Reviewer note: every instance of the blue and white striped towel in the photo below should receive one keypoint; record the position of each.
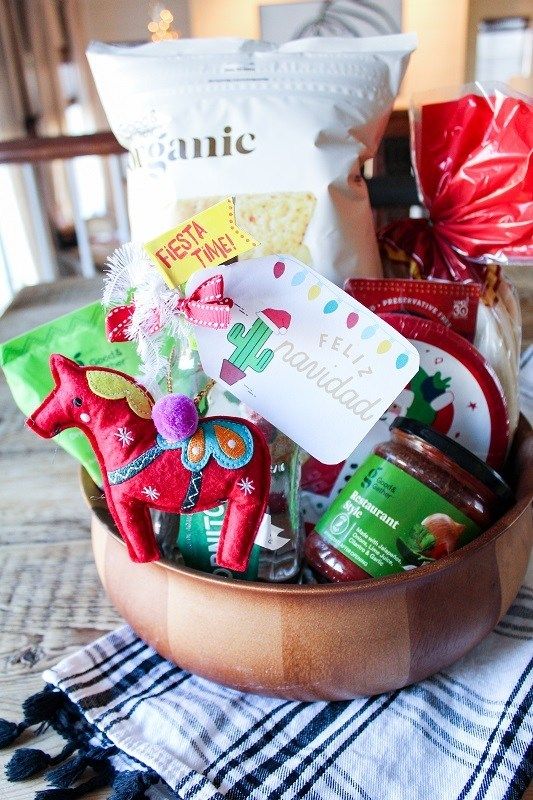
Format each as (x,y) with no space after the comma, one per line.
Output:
(465,734)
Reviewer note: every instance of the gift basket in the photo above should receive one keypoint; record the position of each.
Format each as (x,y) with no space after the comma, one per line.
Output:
(305,464)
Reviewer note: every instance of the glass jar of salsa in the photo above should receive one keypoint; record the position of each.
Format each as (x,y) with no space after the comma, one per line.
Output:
(416,498)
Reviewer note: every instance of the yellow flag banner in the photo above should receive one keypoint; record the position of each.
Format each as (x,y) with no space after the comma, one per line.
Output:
(208,239)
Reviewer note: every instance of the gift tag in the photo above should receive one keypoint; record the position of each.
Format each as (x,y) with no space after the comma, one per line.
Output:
(209,238)
(298,350)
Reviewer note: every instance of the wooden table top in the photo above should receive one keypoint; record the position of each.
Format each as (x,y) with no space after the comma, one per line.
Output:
(51,601)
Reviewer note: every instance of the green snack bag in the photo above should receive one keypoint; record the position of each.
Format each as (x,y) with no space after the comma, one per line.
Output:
(80,336)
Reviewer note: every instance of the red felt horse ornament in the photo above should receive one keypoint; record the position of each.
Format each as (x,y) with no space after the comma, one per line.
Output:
(224,460)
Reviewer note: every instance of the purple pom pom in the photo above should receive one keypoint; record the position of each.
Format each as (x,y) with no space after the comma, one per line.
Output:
(175,416)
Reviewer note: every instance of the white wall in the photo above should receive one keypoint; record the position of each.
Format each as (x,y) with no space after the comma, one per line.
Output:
(440,58)
(227,17)
(126,20)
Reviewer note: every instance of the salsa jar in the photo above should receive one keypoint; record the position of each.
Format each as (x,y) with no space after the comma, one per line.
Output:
(416,498)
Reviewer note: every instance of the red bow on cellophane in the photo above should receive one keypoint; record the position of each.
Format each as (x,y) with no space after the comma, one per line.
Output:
(474,170)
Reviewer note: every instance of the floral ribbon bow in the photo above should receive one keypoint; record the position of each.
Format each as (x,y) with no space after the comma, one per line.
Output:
(207,306)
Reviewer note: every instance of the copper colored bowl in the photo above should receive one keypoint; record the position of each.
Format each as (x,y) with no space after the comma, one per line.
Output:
(329,642)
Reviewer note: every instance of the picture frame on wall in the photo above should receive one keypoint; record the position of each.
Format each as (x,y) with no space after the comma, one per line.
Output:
(283,22)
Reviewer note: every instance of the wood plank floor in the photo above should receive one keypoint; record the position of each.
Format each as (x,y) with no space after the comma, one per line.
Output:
(51,601)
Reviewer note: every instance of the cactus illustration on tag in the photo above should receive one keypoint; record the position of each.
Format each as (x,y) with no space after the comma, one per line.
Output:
(249,344)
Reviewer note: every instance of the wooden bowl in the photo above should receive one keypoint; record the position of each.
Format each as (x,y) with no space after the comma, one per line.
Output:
(327,642)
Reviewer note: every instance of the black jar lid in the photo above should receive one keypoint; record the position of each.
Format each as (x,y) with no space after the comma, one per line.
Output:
(459,454)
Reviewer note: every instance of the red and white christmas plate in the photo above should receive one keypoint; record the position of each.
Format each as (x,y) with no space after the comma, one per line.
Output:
(455,390)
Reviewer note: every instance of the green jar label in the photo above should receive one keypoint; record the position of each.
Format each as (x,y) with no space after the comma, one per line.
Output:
(385,521)
(197,541)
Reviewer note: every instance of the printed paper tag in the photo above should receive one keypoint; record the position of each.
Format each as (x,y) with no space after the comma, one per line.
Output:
(298,350)
(206,240)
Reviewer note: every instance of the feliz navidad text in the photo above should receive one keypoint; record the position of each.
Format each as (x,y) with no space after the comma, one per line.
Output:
(340,389)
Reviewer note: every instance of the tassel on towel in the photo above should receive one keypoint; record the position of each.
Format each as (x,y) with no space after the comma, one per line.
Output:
(103,778)
(27,762)
(52,708)
(69,772)
(37,709)
(133,785)
(43,706)
(10,732)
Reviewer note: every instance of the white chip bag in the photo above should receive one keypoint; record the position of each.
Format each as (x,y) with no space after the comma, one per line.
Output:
(283,130)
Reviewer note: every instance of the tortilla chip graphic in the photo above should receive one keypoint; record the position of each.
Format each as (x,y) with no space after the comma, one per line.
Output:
(279,220)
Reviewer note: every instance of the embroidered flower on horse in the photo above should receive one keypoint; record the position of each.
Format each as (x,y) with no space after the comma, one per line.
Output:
(150,492)
(246,485)
(124,436)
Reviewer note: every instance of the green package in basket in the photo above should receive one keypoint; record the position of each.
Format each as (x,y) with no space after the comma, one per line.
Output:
(80,336)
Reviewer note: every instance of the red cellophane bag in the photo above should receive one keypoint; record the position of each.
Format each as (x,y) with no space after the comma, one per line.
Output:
(473,163)
(474,168)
